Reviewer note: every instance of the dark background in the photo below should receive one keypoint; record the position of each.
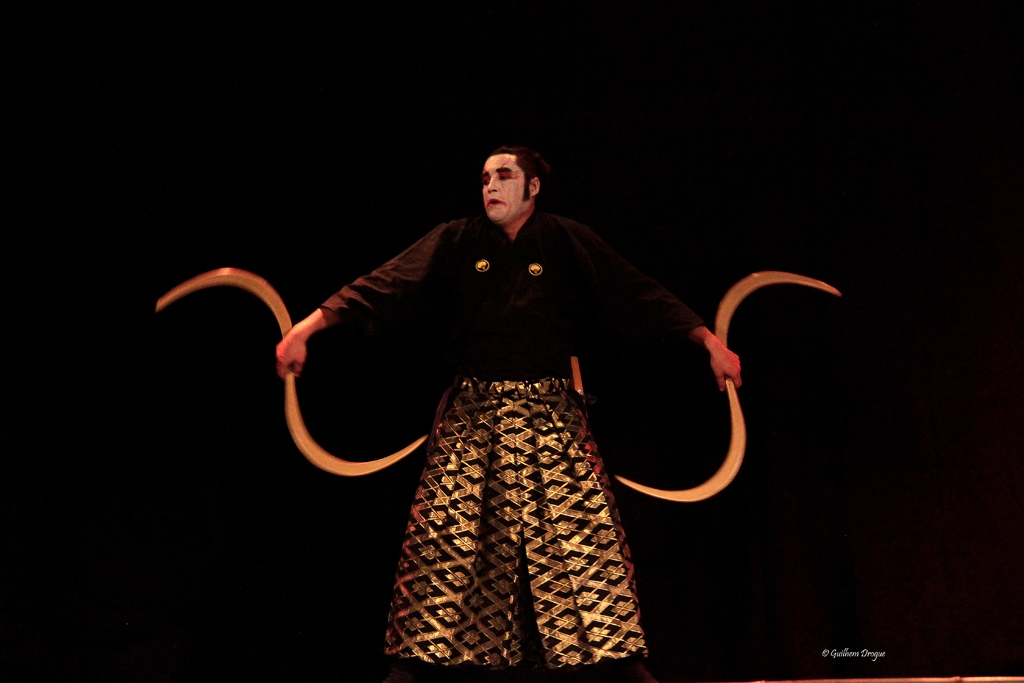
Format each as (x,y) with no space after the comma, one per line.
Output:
(157,522)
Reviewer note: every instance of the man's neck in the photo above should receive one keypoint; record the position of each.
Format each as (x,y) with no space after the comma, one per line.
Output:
(512,229)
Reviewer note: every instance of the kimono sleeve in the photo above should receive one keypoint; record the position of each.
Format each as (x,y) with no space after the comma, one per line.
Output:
(637,307)
(401,291)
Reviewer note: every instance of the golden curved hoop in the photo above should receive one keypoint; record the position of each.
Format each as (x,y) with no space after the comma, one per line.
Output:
(738,441)
(250,282)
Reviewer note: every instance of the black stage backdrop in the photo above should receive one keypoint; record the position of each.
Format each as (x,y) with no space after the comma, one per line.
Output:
(158,524)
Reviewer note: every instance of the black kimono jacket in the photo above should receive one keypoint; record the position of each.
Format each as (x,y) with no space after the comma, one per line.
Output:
(512,310)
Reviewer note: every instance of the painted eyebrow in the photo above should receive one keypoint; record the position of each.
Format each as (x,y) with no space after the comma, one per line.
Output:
(505,169)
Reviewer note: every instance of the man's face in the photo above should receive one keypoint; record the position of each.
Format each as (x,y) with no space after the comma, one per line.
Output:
(506,195)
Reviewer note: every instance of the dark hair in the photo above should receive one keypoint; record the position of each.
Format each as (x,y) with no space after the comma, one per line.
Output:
(529,160)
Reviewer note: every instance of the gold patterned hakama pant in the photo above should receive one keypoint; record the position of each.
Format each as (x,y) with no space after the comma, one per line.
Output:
(514,493)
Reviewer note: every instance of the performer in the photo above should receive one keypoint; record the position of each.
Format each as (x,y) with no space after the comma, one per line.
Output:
(514,555)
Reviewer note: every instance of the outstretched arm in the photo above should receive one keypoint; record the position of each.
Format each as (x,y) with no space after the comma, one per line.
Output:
(291,351)
(724,363)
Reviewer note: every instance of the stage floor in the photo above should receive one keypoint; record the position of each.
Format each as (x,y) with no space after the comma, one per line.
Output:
(952,679)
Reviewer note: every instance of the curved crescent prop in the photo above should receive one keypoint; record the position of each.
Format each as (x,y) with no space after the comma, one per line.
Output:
(738,442)
(253,283)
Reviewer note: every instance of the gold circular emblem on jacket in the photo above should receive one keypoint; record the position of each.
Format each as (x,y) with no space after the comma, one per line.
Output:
(482,265)
(535,269)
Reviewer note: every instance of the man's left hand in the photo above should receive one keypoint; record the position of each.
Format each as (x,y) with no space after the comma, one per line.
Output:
(724,363)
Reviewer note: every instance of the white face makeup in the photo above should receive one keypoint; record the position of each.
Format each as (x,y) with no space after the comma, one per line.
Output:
(503,185)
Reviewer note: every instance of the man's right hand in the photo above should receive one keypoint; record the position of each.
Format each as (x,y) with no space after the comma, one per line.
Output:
(291,353)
